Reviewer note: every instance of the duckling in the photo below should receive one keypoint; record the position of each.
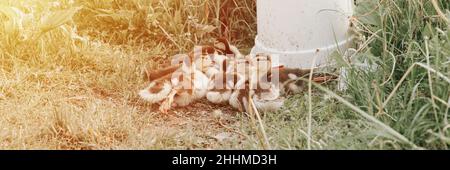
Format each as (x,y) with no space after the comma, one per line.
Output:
(211,59)
(268,106)
(219,64)
(191,85)
(265,100)
(157,90)
(261,64)
(239,97)
(225,48)
(187,85)
(240,66)
(247,70)
(160,88)
(203,62)
(288,78)
(209,63)
(221,87)
(268,99)
(266,95)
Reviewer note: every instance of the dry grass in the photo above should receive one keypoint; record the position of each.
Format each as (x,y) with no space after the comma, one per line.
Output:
(70,71)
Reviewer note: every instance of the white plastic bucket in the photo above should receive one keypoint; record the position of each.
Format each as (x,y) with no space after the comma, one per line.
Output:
(297,31)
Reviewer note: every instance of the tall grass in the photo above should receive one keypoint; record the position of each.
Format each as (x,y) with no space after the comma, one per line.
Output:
(409,43)
(178,24)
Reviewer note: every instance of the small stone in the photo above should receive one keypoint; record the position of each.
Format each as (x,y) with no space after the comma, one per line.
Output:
(204,113)
(217,113)
(222,136)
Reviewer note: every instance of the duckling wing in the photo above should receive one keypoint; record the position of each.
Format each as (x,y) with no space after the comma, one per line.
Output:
(156,92)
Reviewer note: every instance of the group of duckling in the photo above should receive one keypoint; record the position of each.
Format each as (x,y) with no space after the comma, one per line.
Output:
(223,75)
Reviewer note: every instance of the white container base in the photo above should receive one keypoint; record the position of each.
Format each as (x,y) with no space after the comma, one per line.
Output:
(304,58)
(302,31)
